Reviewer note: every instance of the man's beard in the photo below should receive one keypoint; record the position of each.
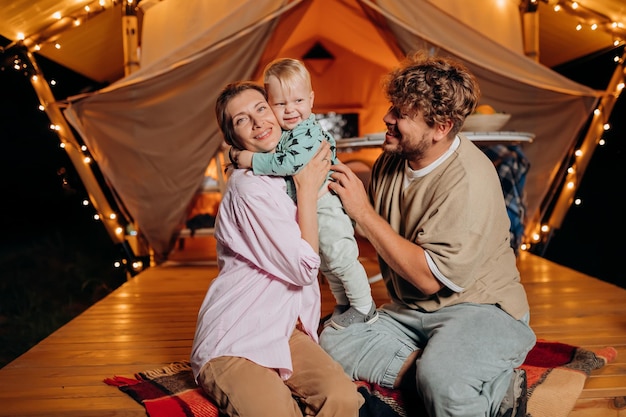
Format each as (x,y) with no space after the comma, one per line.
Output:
(414,152)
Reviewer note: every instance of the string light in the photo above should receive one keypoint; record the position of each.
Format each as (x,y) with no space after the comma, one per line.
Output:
(23,62)
(118,230)
(61,22)
(592,18)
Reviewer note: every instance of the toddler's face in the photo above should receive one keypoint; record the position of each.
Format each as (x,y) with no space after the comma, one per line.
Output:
(291,106)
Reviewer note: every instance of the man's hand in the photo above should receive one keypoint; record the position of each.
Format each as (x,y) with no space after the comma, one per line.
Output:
(347,185)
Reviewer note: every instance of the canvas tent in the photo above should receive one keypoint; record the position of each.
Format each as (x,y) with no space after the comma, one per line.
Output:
(153,132)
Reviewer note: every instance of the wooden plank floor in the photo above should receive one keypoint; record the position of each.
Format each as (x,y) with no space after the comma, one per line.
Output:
(149,321)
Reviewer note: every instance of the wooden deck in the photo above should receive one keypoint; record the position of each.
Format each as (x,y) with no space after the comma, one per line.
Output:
(149,321)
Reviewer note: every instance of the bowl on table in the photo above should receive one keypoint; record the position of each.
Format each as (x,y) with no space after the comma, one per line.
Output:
(485,122)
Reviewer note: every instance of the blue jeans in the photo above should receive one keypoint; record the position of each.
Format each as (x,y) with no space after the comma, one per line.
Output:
(468,354)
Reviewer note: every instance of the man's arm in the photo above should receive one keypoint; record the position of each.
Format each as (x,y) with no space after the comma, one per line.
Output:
(403,256)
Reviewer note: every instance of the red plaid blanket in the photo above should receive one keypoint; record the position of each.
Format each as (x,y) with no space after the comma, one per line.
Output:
(555,375)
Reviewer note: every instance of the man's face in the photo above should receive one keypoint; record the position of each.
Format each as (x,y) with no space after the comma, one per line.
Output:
(408,136)
(291,106)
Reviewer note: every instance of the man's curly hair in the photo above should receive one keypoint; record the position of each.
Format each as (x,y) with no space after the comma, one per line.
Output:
(438,87)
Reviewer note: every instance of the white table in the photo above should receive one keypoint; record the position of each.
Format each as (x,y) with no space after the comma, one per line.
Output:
(378,139)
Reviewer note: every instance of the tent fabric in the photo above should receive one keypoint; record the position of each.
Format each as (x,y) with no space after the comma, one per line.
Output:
(153,132)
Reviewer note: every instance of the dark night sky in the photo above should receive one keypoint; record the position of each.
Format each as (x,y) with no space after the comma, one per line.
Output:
(42,194)
(590,239)
(32,160)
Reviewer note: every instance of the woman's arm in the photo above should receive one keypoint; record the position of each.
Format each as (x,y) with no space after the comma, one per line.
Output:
(308,181)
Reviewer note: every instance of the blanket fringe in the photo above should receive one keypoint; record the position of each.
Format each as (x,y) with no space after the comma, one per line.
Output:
(172,369)
(608,354)
(121,381)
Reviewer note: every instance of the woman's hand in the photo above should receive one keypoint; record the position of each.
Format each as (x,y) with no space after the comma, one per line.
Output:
(313,175)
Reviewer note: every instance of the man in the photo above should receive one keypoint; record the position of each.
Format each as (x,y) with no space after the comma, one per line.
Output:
(457,323)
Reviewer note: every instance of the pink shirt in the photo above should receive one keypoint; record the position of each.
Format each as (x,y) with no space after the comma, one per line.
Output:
(267,279)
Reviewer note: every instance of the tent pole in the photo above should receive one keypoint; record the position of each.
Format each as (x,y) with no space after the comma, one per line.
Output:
(530,28)
(72,147)
(130,34)
(531,35)
(47,100)
(587,146)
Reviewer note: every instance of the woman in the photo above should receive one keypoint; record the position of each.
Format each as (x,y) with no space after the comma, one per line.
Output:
(255,351)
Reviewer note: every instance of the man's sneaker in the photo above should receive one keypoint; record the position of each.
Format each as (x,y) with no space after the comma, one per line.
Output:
(515,400)
(351,316)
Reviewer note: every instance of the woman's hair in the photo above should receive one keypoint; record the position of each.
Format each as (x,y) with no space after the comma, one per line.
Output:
(289,72)
(225,120)
(442,89)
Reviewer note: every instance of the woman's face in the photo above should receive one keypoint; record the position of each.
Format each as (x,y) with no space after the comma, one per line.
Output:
(254,123)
